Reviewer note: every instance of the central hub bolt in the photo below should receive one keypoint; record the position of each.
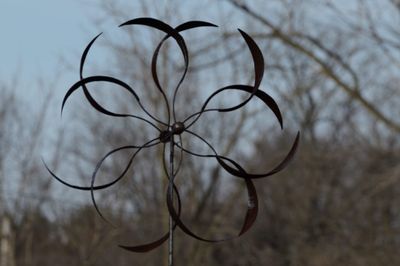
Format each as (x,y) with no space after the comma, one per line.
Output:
(176,129)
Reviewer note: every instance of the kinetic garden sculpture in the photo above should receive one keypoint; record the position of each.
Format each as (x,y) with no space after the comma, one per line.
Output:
(172,129)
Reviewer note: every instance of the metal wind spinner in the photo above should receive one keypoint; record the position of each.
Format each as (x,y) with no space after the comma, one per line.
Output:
(173,128)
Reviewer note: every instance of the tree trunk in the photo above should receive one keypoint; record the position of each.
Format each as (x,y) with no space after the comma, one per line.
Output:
(7,251)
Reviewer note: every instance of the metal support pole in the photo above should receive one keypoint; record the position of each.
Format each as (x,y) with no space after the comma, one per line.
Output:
(171,188)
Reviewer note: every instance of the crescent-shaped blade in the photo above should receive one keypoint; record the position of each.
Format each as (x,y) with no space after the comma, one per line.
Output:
(95,105)
(263,96)
(258,60)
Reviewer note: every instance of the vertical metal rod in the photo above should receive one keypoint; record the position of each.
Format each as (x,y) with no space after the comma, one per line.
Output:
(171,191)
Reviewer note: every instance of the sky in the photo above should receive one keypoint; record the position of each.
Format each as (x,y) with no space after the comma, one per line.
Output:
(34,34)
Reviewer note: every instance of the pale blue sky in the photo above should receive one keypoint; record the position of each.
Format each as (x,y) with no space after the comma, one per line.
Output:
(35,33)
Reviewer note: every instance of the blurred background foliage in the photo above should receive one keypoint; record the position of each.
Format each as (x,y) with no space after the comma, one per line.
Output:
(333,68)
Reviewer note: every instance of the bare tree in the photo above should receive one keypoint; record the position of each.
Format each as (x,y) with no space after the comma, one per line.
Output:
(333,69)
